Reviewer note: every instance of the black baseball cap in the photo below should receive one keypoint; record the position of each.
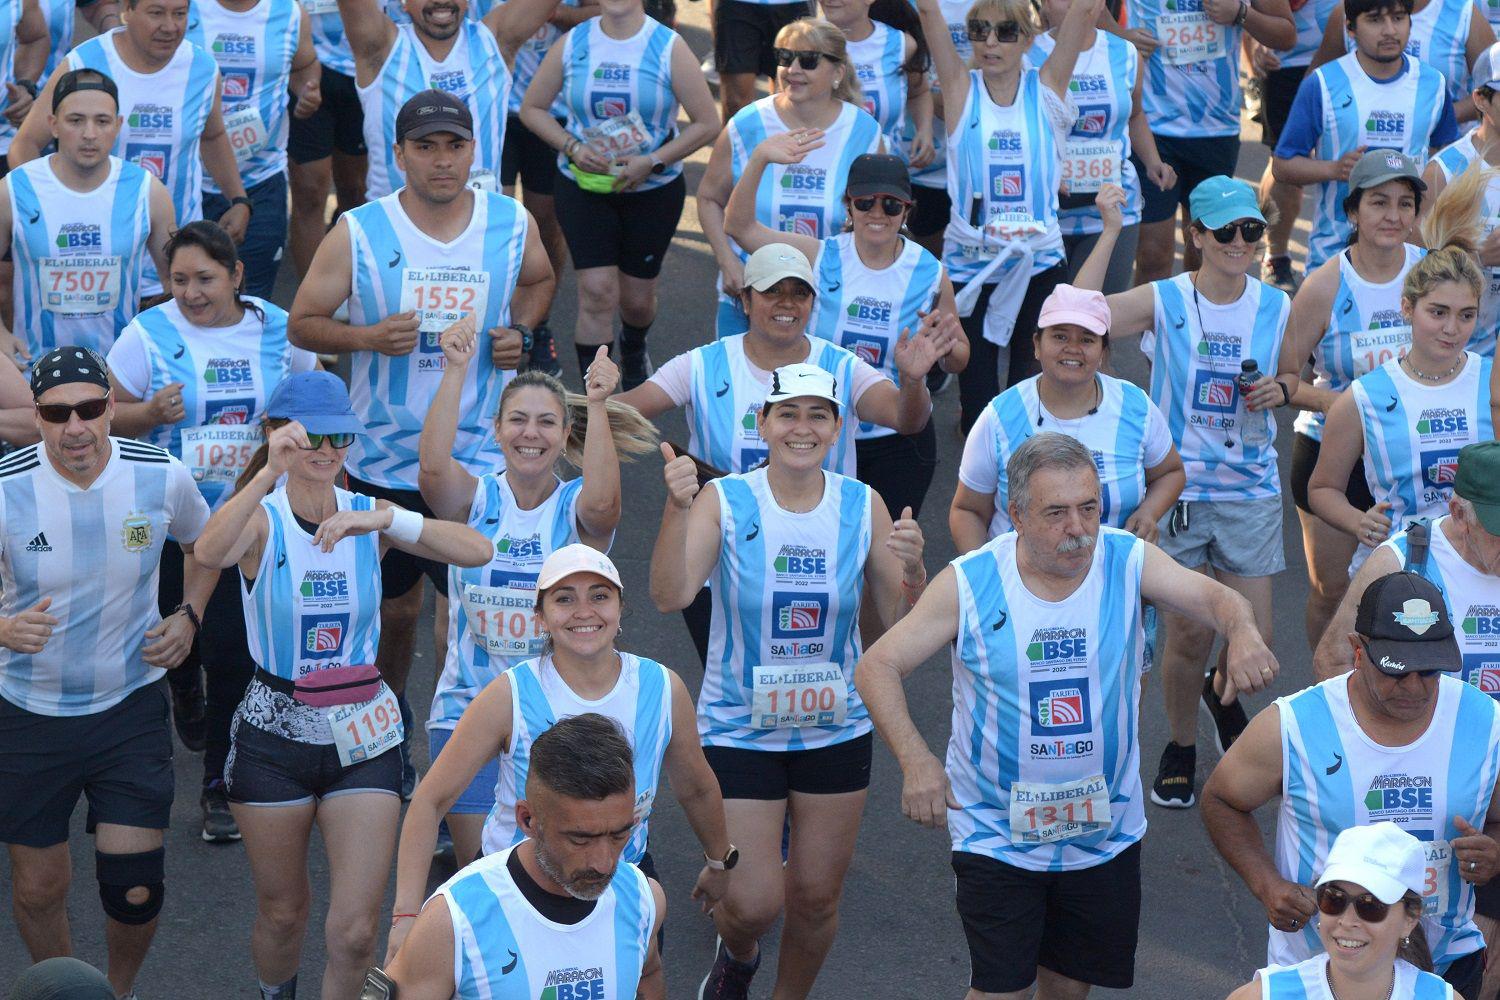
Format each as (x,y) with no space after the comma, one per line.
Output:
(75,80)
(877,174)
(432,111)
(1407,626)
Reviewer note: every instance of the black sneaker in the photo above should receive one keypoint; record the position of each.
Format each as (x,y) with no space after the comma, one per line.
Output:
(1176,777)
(635,368)
(1277,272)
(544,352)
(729,979)
(1229,720)
(219,826)
(188,711)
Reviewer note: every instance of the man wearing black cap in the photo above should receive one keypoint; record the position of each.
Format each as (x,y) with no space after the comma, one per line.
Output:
(411,264)
(86,220)
(83,519)
(1399,738)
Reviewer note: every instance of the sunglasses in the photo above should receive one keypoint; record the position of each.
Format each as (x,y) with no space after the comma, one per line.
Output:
(1251,231)
(1334,901)
(1424,674)
(806,58)
(889,205)
(59,413)
(1005,31)
(315,441)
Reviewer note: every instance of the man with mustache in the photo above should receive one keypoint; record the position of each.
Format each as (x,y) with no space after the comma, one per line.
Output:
(558,908)
(1041,792)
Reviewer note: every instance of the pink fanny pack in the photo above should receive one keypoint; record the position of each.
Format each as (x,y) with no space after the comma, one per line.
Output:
(338,686)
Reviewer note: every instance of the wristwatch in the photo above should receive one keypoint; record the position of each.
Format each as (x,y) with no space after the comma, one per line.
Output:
(243,200)
(27,85)
(526,336)
(1239,19)
(657,166)
(731,858)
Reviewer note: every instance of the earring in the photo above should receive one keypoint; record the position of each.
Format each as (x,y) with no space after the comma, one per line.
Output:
(620,630)
(1406,941)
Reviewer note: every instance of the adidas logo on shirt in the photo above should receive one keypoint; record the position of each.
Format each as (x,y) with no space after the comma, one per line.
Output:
(39,543)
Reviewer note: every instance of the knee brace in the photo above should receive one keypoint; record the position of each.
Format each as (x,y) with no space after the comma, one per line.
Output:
(120,874)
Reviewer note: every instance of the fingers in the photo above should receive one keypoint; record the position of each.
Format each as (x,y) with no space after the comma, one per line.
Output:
(1465,827)
(667,452)
(906,514)
(602,352)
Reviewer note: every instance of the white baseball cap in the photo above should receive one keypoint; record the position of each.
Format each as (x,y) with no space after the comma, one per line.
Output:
(576,558)
(1382,858)
(802,379)
(775,261)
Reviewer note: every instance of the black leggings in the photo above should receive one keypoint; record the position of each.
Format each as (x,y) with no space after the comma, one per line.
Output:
(899,467)
(980,381)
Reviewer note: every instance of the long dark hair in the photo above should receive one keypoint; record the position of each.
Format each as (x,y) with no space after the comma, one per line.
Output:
(1414,947)
(261,455)
(902,16)
(211,238)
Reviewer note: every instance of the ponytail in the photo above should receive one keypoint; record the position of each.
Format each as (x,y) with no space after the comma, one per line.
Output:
(1453,233)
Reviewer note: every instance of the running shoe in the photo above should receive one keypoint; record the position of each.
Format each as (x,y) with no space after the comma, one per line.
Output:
(635,368)
(544,352)
(219,826)
(1277,272)
(729,979)
(1229,720)
(710,70)
(1176,777)
(188,711)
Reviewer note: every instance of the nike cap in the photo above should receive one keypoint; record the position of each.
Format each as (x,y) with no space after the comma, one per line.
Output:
(1478,481)
(776,261)
(432,111)
(1406,626)
(1381,165)
(318,401)
(1383,859)
(576,558)
(1220,200)
(802,380)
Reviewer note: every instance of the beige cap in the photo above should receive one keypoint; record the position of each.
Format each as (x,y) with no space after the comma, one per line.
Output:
(576,558)
(775,261)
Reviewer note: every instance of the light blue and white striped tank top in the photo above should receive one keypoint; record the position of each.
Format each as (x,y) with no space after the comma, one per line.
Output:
(877,63)
(529,59)
(935,174)
(328,36)
(59,17)
(1192,84)
(1310,17)
(10,20)
(1309,981)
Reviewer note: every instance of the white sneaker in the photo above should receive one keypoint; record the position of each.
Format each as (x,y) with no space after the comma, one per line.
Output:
(710,70)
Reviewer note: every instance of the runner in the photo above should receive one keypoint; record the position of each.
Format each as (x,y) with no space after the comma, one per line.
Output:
(191,376)
(535,901)
(1347,318)
(796,742)
(815,89)
(931,207)
(409,264)
(872,284)
(80,222)
(441,49)
(1003,246)
(311,741)
(264,48)
(622,77)
(891,61)
(528,512)
(1393,740)
(1046,842)
(1376,97)
(169,96)
(1370,872)
(81,711)
(1205,330)
(1410,416)
(25,51)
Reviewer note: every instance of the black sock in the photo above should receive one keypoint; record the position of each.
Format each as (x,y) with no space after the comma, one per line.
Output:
(633,338)
(586,354)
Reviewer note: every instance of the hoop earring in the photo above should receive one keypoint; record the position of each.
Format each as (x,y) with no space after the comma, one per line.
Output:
(619,630)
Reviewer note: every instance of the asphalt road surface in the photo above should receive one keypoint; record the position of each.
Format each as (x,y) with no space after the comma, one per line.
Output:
(1202,933)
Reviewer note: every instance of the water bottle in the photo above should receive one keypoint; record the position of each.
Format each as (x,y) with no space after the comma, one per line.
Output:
(1256,427)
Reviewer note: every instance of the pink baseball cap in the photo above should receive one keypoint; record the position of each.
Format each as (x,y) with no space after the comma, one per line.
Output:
(1077,306)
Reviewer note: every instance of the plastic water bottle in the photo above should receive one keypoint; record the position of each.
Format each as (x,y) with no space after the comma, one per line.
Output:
(1256,427)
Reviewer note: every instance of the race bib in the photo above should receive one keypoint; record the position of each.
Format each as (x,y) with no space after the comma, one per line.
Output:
(1089,164)
(316,7)
(481,179)
(790,695)
(621,136)
(503,619)
(1189,37)
(1435,877)
(247,133)
(1042,813)
(367,730)
(1373,348)
(442,295)
(77,286)
(643,802)
(217,453)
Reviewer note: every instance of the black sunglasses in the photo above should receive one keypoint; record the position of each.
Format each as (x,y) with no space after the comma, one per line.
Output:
(1251,231)
(59,413)
(806,58)
(1005,31)
(1333,901)
(315,441)
(889,205)
(1424,674)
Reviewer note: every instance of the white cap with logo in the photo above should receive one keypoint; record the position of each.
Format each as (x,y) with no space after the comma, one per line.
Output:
(776,261)
(802,379)
(1382,858)
(576,558)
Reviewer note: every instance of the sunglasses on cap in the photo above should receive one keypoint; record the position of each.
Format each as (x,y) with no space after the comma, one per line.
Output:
(1005,31)
(806,58)
(59,413)
(315,441)
(890,205)
(1333,901)
(1252,231)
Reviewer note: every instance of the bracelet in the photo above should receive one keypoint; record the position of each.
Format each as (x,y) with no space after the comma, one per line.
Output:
(192,616)
(402,916)
(1239,19)
(569,147)
(406,526)
(914,588)
(1286,394)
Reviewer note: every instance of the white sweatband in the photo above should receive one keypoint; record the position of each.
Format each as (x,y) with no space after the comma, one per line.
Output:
(406,526)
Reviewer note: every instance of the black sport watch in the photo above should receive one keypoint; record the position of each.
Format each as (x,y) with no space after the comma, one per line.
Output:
(657,166)
(526,335)
(243,200)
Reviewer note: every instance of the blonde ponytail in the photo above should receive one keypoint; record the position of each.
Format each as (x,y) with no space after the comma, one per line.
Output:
(632,433)
(1452,232)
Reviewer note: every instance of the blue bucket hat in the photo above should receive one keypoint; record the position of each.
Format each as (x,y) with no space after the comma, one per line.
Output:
(1220,200)
(318,401)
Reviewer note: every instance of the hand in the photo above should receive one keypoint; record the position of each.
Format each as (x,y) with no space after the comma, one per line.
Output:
(166,405)
(681,475)
(309,99)
(396,335)
(18,103)
(915,356)
(169,641)
(1265,60)
(235,222)
(1374,525)
(922,151)
(1143,527)
(1249,667)
(1289,906)
(925,794)
(733,272)
(789,147)
(458,343)
(1162,175)
(348,523)
(1222,11)
(1144,41)
(590,158)
(1339,170)
(282,446)
(905,542)
(506,348)
(636,169)
(1265,394)
(1477,856)
(400,927)
(28,631)
(1489,248)
(14,348)
(1110,201)
(602,377)
(713,883)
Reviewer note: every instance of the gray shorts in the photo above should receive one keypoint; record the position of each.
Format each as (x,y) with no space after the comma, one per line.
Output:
(1242,537)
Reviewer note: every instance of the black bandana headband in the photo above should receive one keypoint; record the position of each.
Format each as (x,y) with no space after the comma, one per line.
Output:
(66,365)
